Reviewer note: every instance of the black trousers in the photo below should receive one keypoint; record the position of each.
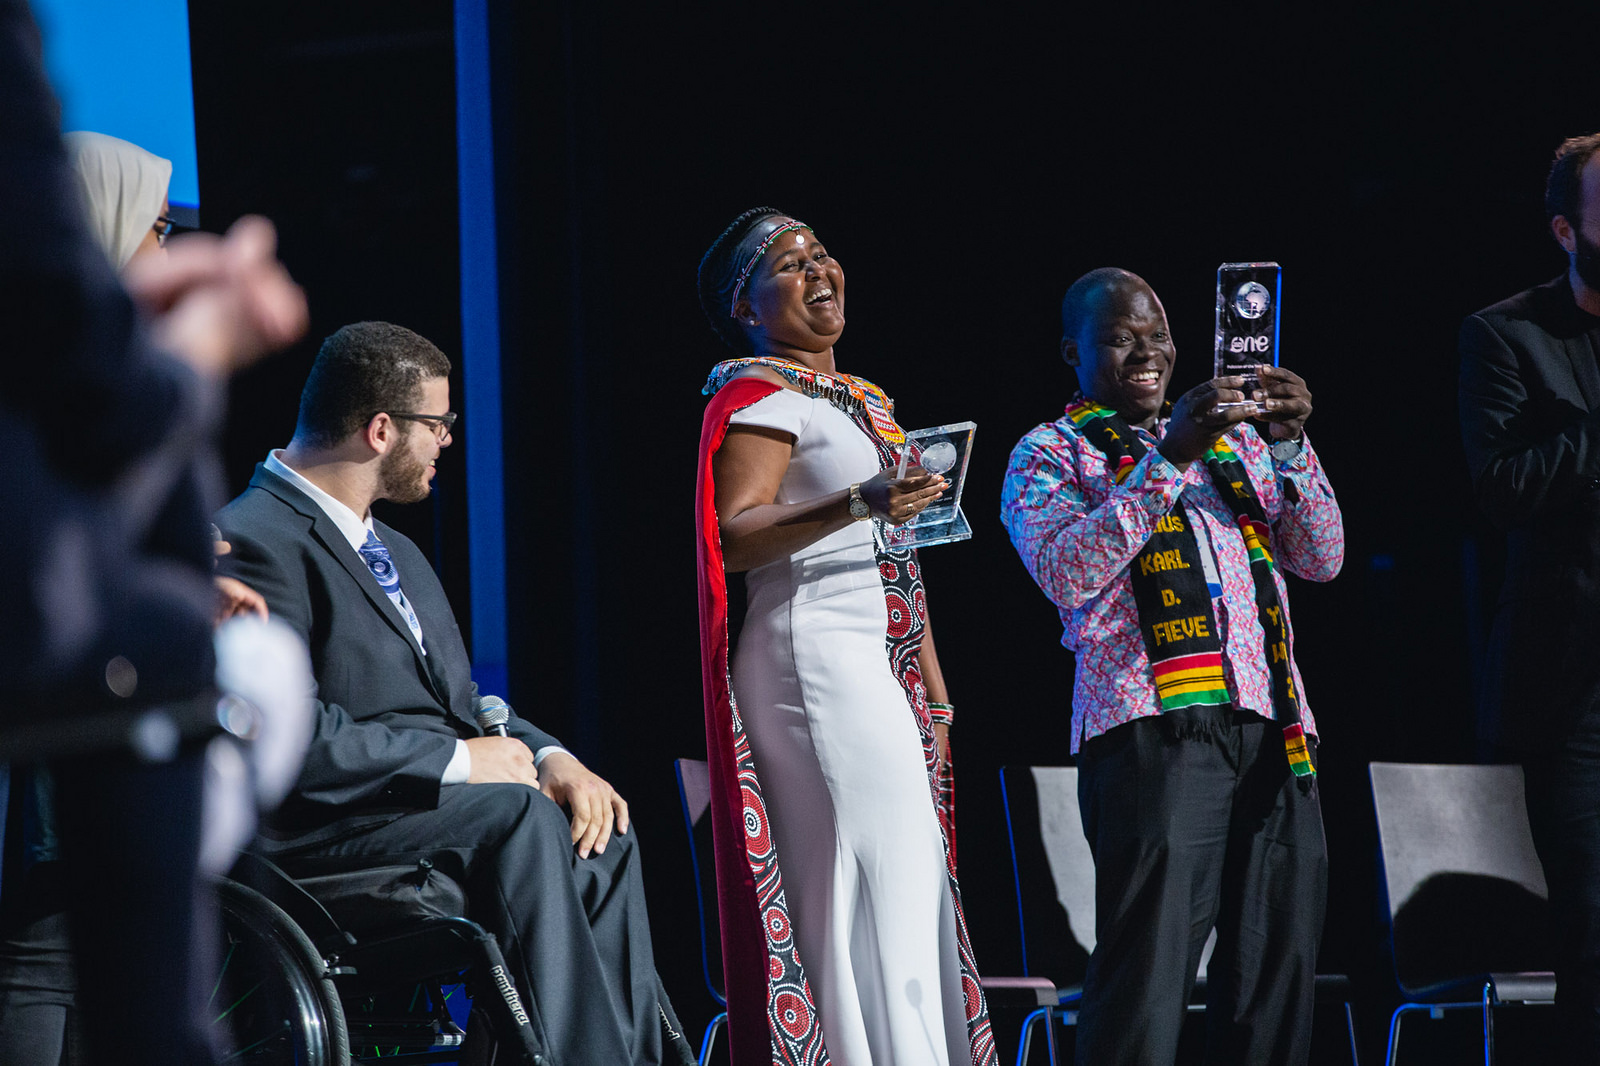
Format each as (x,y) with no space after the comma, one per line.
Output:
(39,1023)
(143,922)
(1564,813)
(574,931)
(1195,822)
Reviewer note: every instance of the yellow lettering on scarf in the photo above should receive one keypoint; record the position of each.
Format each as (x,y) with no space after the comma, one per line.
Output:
(1171,559)
(1180,629)
(1280,651)
(1238,488)
(1169,598)
(1169,524)
(1272,613)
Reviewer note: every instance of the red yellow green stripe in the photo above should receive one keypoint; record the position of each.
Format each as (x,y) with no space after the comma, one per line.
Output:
(1255,539)
(1085,411)
(1190,680)
(1294,742)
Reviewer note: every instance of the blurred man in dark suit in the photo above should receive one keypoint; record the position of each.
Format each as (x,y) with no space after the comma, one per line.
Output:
(1530,420)
(106,583)
(398,768)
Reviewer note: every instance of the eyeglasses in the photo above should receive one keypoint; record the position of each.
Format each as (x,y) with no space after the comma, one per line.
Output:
(440,424)
(163,227)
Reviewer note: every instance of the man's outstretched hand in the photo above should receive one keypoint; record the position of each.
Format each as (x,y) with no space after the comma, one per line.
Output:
(595,806)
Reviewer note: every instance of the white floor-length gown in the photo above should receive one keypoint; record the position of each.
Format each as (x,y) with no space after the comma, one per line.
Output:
(841,762)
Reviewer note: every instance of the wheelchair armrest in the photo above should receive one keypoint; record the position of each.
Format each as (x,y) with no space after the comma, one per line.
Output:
(268,878)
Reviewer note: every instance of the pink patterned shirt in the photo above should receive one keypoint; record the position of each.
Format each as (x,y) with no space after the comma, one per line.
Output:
(1077,532)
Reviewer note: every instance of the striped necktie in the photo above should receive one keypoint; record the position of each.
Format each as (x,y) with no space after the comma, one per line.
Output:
(376,555)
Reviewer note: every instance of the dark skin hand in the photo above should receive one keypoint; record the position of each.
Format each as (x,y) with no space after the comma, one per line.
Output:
(1287,401)
(1197,423)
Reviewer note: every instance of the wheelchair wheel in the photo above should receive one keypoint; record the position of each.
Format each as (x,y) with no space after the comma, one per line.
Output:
(273,999)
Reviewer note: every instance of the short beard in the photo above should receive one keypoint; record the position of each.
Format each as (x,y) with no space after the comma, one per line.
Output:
(402,477)
(1586,260)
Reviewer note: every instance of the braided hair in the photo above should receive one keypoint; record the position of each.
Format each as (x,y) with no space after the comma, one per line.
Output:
(719,272)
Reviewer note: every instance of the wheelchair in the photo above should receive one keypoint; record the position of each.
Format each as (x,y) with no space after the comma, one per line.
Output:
(347,968)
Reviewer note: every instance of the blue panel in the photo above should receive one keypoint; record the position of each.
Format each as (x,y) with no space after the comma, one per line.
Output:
(480,346)
(122,69)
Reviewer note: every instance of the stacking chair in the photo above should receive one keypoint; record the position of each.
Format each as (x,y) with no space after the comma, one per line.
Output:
(1054,877)
(694,792)
(1054,873)
(1466,897)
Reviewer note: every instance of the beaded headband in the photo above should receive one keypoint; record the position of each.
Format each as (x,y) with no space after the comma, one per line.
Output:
(744,274)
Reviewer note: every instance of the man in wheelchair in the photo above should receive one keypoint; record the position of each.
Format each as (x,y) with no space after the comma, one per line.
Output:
(398,770)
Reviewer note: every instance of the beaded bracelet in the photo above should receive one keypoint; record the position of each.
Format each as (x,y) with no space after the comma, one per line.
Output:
(942,713)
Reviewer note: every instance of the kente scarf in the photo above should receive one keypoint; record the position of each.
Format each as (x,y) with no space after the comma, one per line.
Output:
(1174,580)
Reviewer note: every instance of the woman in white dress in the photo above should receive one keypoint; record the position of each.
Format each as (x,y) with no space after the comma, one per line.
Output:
(826,751)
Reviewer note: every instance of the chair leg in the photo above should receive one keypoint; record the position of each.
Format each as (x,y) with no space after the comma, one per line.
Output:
(1488,1023)
(1350,1026)
(711,1037)
(1050,1035)
(1026,1041)
(1394,1034)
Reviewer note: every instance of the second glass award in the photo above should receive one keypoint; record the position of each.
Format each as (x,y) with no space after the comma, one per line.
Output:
(938,450)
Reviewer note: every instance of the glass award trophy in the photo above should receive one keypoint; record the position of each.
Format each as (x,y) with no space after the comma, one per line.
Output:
(939,450)
(1248,296)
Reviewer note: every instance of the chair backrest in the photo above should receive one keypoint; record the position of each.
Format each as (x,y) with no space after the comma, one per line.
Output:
(1465,890)
(1054,872)
(1053,868)
(694,793)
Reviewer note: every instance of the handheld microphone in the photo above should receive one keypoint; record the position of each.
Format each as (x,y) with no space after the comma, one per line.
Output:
(492,714)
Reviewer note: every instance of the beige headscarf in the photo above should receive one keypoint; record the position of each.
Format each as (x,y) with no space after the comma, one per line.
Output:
(124,187)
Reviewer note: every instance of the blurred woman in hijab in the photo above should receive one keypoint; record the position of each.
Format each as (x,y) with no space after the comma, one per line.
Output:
(125,191)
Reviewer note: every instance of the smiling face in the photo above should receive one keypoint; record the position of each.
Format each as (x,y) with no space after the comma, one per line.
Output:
(1123,351)
(405,473)
(793,303)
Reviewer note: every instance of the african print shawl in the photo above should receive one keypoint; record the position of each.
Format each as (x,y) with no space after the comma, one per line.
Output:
(765,980)
(1174,581)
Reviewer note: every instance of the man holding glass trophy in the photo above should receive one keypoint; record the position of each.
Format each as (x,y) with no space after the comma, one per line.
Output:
(1161,531)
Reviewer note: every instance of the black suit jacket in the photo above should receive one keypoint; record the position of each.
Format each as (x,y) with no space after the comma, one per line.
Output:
(387,715)
(1530,422)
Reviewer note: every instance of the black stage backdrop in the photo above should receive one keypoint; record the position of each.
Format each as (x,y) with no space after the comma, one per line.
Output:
(965,166)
